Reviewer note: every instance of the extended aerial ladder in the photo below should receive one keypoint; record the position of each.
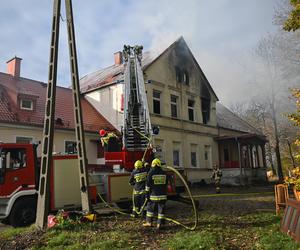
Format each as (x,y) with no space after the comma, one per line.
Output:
(48,132)
(137,126)
(137,130)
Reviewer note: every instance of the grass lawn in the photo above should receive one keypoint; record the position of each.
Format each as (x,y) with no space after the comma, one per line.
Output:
(224,223)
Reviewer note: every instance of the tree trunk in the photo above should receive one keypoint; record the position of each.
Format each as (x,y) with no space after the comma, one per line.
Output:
(277,148)
(269,153)
(291,153)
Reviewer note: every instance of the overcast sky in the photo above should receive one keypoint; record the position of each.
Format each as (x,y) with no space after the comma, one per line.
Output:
(220,33)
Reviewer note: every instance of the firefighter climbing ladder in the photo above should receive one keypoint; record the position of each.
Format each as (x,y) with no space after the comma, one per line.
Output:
(44,195)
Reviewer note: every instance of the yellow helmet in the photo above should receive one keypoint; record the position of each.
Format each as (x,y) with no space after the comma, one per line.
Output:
(138,164)
(156,162)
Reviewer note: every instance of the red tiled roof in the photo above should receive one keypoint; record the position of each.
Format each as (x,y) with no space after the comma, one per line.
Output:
(13,89)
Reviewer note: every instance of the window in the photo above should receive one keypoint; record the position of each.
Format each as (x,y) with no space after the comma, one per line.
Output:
(194,159)
(176,157)
(174,112)
(159,149)
(156,102)
(26,104)
(185,77)
(207,156)
(191,105)
(14,158)
(70,147)
(226,154)
(205,105)
(23,140)
(178,74)
(182,75)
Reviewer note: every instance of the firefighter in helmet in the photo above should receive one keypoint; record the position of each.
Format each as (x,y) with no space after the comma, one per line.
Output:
(156,187)
(216,177)
(138,180)
(107,137)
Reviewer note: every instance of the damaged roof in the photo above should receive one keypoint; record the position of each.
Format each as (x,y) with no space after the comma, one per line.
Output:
(227,119)
(115,73)
(14,89)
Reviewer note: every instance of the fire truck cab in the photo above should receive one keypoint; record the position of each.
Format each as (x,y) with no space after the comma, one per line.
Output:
(19,170)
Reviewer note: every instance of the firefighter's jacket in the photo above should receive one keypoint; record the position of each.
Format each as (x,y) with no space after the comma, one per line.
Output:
(157,184)
(217,174)
(138,180)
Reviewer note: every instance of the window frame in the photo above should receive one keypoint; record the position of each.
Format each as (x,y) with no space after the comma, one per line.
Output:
(194,157)
(65,146)
(174,104)
(24,138)
(191,109)
(24,100)
(156,99)
(177,151)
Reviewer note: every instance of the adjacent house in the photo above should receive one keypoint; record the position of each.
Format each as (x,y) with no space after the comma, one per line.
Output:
(196,131)
(22,108)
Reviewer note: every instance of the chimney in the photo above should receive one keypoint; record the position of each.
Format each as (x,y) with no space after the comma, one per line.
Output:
(14,66)
(118,58)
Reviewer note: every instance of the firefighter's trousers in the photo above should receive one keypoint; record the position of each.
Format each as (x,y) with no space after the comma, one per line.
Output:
(151,208)
(139,200)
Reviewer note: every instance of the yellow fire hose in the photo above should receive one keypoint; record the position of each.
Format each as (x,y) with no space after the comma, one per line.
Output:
(167,219)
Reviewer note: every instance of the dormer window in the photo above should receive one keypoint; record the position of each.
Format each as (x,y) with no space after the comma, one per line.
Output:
(26,104)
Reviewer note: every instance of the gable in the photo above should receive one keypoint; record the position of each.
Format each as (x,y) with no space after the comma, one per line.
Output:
(177,66)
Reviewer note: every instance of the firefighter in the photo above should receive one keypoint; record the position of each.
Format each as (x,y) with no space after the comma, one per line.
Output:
(156,187)
(216,176)
(138,180)
(107,137)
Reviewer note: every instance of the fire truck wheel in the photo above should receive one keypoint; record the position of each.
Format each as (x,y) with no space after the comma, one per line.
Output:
(23,212)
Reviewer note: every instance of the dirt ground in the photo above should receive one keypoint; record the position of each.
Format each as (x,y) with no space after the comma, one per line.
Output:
(232,202)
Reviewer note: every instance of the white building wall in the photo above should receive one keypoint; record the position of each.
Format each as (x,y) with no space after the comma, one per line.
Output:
(108,102)
(9,133)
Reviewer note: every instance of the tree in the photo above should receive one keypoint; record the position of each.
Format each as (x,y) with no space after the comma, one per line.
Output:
(292,23)
(295,118)
(271,91)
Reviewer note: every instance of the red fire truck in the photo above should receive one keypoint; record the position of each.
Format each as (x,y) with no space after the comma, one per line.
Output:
(19,182)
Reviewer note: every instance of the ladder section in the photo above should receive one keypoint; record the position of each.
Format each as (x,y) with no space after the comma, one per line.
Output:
(136,117)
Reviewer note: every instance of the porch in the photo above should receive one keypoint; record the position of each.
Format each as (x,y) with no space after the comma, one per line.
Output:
(242,159)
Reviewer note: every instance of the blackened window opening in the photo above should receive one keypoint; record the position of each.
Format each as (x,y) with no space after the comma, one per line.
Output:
(182,75)
(205,106)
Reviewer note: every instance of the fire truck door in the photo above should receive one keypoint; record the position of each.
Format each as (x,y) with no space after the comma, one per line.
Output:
(17,173)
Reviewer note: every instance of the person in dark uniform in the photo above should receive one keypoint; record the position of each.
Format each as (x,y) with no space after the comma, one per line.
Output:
(138,180)
(216,176)
(156,187)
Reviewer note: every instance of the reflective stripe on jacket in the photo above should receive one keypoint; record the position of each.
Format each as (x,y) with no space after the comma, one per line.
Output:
(138,179)
(157,184)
